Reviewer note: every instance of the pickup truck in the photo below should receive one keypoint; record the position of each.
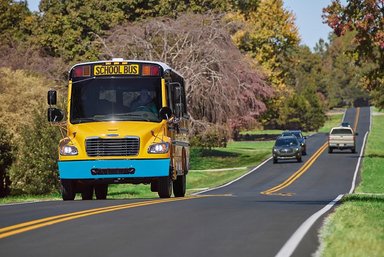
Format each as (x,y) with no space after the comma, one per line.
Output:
(342,138)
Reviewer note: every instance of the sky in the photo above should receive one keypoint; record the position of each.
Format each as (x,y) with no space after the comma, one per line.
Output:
(308,18)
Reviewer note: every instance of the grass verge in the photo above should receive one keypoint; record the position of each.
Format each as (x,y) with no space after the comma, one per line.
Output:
(356,228)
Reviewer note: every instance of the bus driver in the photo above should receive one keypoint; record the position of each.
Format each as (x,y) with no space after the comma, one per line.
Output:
(144,102)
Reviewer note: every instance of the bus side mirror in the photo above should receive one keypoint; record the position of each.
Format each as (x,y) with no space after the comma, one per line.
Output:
(179,109)
(52,97)
(55,115)
(177,99)
(165,113)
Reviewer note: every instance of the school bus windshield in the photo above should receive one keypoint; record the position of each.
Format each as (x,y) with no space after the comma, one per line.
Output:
(116,99)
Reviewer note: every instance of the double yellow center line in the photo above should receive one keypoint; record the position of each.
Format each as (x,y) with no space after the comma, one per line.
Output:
(306,166)
(298,173)
(35,224)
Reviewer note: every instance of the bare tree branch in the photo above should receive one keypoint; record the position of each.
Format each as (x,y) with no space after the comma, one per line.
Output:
(223,86)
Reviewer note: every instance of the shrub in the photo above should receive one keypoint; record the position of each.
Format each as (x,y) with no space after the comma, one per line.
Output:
(6,159)
(214,136)
(35,168)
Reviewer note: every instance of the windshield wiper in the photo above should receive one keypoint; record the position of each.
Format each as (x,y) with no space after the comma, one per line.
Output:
(83,120)
(141,116)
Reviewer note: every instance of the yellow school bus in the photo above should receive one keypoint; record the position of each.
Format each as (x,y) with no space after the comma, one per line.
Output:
(126,122)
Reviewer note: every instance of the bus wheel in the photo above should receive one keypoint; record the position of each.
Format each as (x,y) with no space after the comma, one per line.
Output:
(68,190)
(179,186)
(87,192)
(165,187)
(101,191)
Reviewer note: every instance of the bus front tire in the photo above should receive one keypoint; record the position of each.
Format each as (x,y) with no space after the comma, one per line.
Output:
(179,186)
(165,187)
(101,191)
(87,192)
(68,192)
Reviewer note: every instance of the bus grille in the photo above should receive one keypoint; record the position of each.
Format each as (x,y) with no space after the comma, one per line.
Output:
(112,147)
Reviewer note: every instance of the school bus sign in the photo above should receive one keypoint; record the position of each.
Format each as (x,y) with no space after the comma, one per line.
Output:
(111,70)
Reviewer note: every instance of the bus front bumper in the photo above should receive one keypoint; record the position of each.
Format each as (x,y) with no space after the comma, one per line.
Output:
(113,169)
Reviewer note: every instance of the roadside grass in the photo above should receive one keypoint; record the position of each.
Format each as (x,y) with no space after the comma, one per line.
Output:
(333,120)
(236,154)
(29,198)
(356,228)
(243,155)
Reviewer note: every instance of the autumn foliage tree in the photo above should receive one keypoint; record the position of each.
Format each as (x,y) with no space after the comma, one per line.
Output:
(366,19)
(269,35)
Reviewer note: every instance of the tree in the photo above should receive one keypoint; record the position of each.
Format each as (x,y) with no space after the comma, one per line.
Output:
(223,87)
(6,159)
(268,34)
(67,29)
(365,18)
(15,18)
(343,79)
(35,168)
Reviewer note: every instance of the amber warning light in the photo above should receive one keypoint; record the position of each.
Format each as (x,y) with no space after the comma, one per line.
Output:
(150,70)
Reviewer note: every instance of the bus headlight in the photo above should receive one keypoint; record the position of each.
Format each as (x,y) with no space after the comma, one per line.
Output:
(159,148)
(68,150)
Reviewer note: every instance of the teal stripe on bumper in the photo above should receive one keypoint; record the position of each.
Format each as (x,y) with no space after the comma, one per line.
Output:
(142,168)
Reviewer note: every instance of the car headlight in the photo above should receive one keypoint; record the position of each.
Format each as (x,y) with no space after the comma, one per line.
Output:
(159,148)
(68,150)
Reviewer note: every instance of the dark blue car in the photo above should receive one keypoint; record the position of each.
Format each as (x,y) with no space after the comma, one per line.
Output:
(299,135)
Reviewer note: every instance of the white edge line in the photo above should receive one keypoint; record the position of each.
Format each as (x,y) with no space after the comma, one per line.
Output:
(233,181)
(361,153)
(290,246)
(358,165)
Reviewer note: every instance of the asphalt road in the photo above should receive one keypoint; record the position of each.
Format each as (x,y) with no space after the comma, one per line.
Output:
(262,214)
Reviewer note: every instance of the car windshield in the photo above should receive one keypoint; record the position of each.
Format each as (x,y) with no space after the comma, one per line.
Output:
(342,131)
(292,133)
(286,142)
(116,99)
